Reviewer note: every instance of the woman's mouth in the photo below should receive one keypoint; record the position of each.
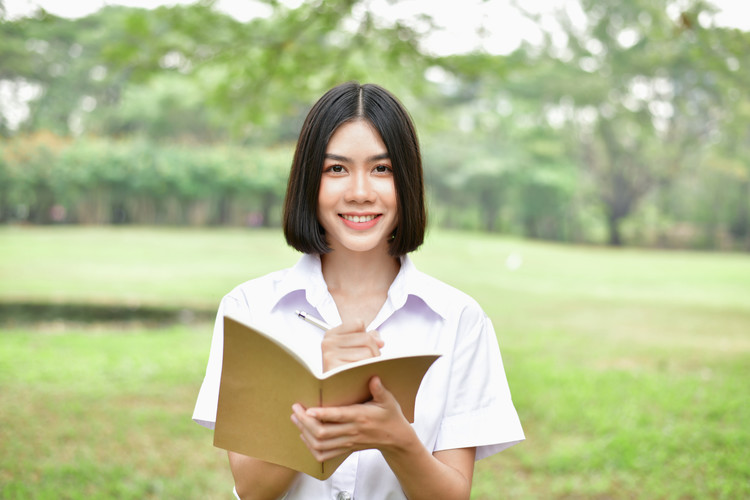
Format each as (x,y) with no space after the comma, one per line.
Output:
(360,221)
(358,218)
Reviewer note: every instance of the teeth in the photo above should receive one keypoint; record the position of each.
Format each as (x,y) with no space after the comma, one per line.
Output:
(358,218)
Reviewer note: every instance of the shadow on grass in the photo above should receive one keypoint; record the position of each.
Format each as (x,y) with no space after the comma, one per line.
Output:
(26,313)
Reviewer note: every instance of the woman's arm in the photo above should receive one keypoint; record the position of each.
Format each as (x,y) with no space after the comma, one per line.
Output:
(256,479)
(380,424)
(444,474)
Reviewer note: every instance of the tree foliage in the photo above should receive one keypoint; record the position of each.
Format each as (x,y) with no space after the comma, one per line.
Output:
(201,74)
(639,92)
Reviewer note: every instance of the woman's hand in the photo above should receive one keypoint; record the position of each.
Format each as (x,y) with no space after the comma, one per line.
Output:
(349,342)
(378,423)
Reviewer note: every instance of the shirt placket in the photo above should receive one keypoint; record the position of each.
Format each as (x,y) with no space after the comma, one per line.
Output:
(343,481)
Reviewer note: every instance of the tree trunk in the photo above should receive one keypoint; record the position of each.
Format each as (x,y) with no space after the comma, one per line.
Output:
(613,230)
(489,206)
(268,206)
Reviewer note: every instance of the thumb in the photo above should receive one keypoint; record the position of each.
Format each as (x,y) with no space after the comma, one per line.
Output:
(359,325)
(350,326)
(379,393)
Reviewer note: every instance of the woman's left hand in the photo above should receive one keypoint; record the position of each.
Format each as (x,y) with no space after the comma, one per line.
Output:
(378,423)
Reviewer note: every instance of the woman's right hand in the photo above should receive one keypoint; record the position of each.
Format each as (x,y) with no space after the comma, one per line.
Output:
(347,343)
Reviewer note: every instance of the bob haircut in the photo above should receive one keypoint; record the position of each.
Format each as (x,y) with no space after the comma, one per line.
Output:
(342,104)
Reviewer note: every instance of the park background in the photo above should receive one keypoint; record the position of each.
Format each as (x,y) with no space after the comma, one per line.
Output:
(589,184)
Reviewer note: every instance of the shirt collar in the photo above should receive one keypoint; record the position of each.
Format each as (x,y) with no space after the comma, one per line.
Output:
(307,275)
(410,282)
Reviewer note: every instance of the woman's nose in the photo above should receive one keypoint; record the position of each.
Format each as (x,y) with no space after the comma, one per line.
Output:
(360,188)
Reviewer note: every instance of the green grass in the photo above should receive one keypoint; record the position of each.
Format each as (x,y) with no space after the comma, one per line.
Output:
(91,414)
(629,368)
(132,266)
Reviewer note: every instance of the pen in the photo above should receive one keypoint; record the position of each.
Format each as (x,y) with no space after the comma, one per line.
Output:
(313,321)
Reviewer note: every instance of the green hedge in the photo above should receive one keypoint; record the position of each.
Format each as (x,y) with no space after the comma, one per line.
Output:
(45,178)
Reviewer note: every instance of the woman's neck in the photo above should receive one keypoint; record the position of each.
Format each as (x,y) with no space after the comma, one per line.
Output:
(359,282)
(356,273)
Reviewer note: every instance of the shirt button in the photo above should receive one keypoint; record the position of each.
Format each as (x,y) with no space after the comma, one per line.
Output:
(344,495)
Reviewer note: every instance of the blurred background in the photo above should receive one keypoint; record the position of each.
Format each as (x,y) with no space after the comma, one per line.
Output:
(588,179)
(605,122)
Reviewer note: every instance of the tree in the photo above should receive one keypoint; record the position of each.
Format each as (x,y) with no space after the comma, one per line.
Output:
(636,87)
(255,80)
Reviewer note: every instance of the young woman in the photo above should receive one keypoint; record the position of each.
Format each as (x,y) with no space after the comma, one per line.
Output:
(355,209)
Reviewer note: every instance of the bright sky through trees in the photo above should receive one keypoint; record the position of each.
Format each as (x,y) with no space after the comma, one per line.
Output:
(494,26)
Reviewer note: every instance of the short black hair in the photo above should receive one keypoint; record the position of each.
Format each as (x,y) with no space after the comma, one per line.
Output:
(342,104)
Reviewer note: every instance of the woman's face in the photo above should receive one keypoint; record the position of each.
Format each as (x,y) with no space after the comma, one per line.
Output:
(357,203)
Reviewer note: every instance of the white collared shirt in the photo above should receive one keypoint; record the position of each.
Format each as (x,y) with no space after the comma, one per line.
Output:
(464,400)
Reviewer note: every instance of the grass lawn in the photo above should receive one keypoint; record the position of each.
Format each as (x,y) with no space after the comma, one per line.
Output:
(629,368)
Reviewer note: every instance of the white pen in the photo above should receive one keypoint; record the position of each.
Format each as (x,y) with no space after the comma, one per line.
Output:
(312,320)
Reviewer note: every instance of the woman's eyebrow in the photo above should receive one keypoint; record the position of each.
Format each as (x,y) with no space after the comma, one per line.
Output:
(335,157)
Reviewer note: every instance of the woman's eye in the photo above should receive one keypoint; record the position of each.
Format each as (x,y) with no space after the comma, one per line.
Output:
(336,169)
(382,169)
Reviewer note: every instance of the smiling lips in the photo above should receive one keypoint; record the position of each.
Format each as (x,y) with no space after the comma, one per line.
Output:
(360,221)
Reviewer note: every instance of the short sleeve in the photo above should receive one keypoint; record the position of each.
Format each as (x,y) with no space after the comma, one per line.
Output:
(208,396)
(479,411)
(234,305)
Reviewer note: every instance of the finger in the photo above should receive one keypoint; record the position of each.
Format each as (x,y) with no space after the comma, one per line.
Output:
(304,419)
(310,428)
(350,339)
(324,437)
(350,349)
(376,336)
(333,414)
(297,416)
(330,439)
(338,357)
(357,353)
(323,455)
(325,423)
(372,343)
